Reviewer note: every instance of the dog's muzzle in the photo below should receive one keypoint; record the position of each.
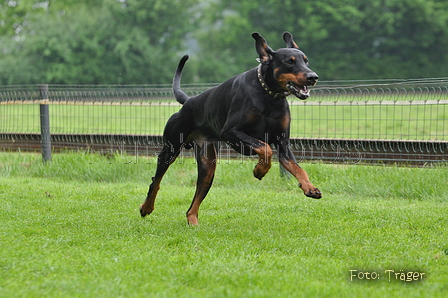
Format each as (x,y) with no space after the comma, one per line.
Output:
(301,91)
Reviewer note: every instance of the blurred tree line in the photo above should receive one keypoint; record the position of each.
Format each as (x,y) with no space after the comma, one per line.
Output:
(141,41)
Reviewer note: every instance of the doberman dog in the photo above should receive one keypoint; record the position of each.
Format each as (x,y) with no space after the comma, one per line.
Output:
(249,112)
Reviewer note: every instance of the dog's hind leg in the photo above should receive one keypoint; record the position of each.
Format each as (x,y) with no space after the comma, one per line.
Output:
(165,159)
(174,138)
(206,160)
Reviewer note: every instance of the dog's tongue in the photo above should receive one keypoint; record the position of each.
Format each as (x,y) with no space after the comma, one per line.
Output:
(301,92)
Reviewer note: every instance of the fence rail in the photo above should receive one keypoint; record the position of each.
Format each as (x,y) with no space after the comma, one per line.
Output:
(396,120)
(349,151)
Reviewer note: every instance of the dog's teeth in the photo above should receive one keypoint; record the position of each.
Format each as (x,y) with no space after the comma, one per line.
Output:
(301,92)
(304,92)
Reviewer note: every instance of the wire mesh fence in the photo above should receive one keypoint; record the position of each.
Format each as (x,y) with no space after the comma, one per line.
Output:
(394,111)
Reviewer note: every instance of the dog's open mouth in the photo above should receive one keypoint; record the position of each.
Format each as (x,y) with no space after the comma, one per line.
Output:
(301,92)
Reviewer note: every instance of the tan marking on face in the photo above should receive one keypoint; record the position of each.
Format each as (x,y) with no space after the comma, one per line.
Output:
(299,79)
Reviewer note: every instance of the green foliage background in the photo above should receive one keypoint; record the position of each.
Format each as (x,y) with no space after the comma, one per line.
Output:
(140,41)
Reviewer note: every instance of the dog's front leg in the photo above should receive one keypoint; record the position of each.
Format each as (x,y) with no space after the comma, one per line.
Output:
(264,152)
(245,144)
(288,161)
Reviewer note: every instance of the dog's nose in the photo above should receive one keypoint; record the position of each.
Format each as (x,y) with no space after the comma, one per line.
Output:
(312,77)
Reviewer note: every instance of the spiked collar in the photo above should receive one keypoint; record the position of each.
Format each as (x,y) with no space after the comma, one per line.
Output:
(275,95)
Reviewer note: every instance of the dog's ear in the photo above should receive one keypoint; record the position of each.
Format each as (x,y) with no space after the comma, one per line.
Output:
(287,37)
(264,51)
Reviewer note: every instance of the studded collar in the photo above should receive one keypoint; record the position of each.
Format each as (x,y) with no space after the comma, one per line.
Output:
(275,95)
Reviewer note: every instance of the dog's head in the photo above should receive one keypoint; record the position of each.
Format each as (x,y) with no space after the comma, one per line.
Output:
(289,65)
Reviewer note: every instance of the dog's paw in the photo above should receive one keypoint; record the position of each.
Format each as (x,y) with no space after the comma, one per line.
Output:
(261,170)
(259,174)
(193,220)
(314,193)
(143,211)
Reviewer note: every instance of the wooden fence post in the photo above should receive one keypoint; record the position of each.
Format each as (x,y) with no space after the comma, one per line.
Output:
(45,123)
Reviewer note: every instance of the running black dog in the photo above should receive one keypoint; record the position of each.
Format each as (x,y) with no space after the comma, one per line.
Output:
(249,112)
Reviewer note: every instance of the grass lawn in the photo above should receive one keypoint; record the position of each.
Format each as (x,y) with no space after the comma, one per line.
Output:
(71,228)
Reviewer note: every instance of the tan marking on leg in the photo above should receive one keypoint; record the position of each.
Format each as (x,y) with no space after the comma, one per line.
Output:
(302,177)
(206,172)
(264,162)
(148,205)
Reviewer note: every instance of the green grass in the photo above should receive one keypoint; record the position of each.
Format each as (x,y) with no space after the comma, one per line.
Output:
(71,228)
(408,122)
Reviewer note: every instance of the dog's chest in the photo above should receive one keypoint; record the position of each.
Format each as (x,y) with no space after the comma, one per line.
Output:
(267,121)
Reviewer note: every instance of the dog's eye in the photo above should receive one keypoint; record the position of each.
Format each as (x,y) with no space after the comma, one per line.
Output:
(291,61)
(305,59)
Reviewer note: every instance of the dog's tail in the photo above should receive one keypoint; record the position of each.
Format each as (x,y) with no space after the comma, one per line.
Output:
(178,93)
